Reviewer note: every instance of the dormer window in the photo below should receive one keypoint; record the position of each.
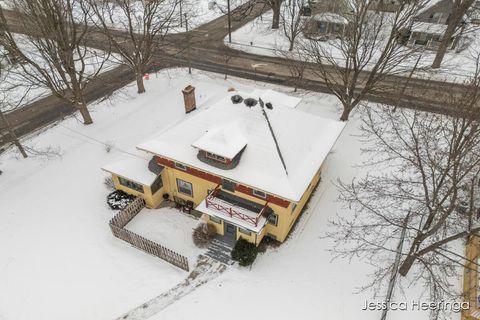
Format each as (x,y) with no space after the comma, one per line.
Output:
(215,157)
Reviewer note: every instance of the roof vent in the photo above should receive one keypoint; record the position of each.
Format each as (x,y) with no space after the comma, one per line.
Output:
(250,102)
(236,99)
(269,105)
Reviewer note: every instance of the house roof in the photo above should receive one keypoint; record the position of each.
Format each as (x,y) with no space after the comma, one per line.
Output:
(225,140)
(426,27)
(304,141)
(277,98)
(134,168)
(435,6)
(330,17)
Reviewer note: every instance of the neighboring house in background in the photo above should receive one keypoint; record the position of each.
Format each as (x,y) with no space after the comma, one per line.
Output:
(327,25)
(474,13)
(327,19)
(249,170)
(430,25)
(385,5)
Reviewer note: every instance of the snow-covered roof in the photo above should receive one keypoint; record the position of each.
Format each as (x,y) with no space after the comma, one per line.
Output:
(428,5)
(330,17)
(277,98)
(304,141)
(225,140)
(132,168)
(426,27)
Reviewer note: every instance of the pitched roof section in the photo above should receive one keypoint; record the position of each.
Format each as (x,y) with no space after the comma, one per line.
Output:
(132,168)
(304,140)
(225,140)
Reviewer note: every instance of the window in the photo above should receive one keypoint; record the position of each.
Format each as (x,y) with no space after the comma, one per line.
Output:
(228,185)
(245,231)
(273,219)
(294,206)
(180,166)
(157,184)
(185,187)
(215,219)
(259,194)
(322,27)
(215,157)
(130,184)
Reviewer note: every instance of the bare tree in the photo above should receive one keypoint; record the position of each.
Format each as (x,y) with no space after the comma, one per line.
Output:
(424,183)
(353,65)
(144,24)
(276,6)
(4,103)
(455,21)
(293,22)
(56,48)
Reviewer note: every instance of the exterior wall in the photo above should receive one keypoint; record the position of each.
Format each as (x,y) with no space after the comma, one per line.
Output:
(203,182)
(428,40)
(151,200)
(287,218)
(218,226)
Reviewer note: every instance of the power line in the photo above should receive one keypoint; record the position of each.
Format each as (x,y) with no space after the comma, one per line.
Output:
(102,143)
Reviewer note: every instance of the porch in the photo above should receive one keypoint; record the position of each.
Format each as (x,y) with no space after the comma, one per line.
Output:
(235,217)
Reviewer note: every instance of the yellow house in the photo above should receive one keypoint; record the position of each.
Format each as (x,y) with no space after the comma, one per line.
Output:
(248,163)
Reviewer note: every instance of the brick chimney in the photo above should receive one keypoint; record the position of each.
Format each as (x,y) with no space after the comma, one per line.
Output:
(189,98)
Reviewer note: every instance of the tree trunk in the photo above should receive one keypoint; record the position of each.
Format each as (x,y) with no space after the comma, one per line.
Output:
(345,113)
(291,45)
(277,4)
(87,118)
(406,265)
(459,9)
(15,139)
(140,84)
(442,49)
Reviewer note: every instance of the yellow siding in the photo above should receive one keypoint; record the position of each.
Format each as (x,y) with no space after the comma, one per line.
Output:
(152,201)
(286,218)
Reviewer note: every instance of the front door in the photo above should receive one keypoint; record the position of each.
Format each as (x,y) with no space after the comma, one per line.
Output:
(229,231)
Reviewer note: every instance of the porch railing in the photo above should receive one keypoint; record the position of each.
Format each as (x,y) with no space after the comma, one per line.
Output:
(231,212)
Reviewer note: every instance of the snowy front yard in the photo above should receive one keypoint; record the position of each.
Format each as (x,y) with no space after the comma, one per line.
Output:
(16,90)
(60,261)
(169,227)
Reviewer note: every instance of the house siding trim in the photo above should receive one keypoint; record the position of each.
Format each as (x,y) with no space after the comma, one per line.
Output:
(218,180)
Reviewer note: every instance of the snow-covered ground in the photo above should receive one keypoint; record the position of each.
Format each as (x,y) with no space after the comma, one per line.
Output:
(175,232)
(258,37)
(16,90)
(60,261)
(197,12)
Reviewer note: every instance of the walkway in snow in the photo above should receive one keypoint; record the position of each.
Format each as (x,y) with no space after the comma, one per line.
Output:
(205,270)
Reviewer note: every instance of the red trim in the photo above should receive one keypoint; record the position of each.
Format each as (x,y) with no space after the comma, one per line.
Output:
(218,180)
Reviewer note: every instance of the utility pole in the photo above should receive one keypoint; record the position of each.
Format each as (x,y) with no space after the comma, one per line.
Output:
(229,22)
(188,46)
